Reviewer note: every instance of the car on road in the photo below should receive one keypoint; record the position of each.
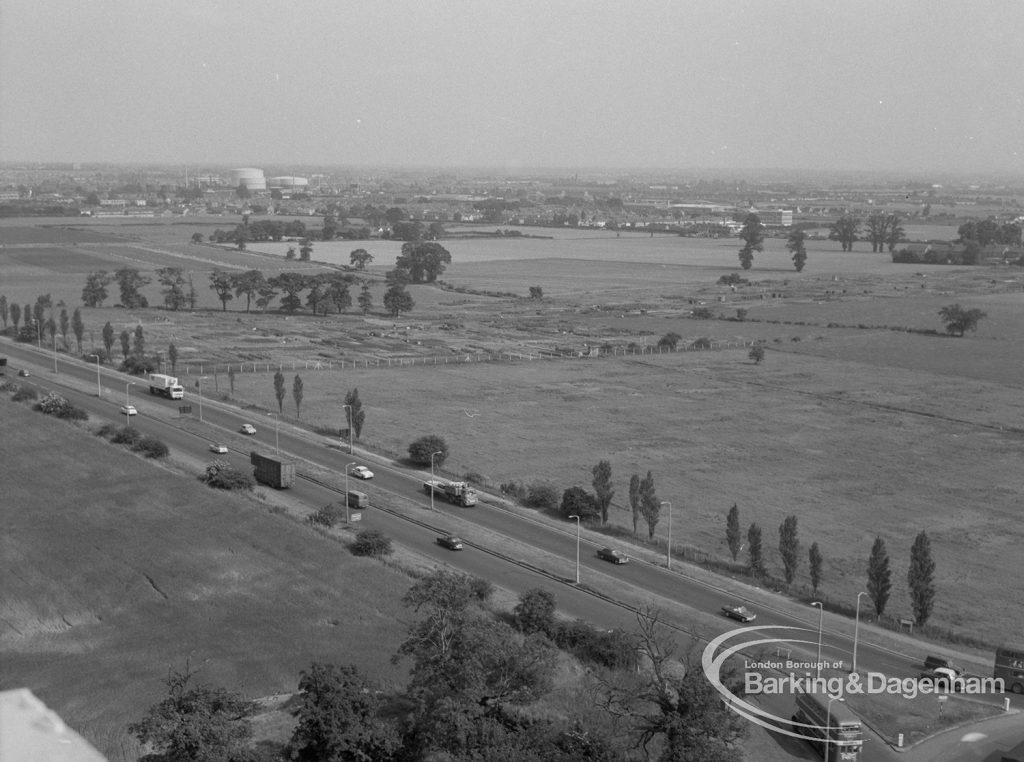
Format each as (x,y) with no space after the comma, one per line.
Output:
(450,541)
(739,613)
(23,373)
(615,556)
(129,410)
(248,428)
(943,678)
(219,448)
(362,472)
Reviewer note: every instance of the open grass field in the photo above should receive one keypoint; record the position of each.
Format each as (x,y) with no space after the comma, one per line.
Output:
(116,570)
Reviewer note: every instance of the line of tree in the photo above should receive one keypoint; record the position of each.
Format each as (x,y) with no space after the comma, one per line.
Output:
(920,577)
(475,691)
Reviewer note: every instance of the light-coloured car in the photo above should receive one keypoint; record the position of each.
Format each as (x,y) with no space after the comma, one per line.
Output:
(362,472)
(219,448)
(615,556)
(739,613)
(248,428)
(450,541)
(129,410)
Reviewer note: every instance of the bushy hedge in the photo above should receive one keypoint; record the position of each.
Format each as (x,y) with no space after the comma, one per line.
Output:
(151,447)
(59,406)
(221,475)
(327,516)
(372,542)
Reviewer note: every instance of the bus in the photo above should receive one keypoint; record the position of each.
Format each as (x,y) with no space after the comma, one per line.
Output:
(830,727)
(1010,667)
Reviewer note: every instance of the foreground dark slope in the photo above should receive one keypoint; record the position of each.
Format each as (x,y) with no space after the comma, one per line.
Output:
(116,569)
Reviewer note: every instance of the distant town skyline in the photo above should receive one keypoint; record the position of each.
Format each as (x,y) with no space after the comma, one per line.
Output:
(912,87)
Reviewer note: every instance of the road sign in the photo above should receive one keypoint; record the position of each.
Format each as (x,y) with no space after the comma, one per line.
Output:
(356,517)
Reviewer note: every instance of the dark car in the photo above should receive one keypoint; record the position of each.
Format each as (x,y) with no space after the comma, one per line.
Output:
(450,541)
(940,662)
(615,556)
(739,613)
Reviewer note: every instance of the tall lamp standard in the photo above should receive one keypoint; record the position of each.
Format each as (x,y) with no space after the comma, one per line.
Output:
(668,551)
(347,467)
(199,385)
(577,547)
(127,401)
(349,407)
(54,353)
(99,389)
(828,723)
(821,615)
(439,452)
(856,627)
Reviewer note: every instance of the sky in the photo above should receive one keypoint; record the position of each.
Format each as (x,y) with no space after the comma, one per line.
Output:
(895,85)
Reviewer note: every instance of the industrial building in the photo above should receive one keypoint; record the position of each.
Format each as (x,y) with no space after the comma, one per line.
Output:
(250,177)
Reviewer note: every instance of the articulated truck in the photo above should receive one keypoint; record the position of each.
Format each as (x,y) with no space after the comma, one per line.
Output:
(168,386)
(276,473)
(459,493)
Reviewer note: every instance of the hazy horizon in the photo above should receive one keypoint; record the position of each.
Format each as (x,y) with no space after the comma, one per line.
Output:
(894,88)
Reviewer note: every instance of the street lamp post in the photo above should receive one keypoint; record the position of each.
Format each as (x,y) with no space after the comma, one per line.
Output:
(577,547)
(856,628)
(349,418)
(127,401)
(668,551)
(347,516)
(439,452)
(99,389)
(821,615)
(199,385)
(54,353)
(828,723)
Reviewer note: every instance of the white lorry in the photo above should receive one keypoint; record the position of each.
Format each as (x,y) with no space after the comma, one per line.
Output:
(168,386)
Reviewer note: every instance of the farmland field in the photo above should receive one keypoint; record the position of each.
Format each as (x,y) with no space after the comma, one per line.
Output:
(858,421)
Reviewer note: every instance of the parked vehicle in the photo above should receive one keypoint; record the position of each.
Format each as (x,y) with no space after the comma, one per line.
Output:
(450,541)
(362,472)
(248,428)
(615,556)
(358,500)
(274,472)
(459,493)
(944,678)
(940,662)
(739,613)
(166,386)
(129,410)
(814,714)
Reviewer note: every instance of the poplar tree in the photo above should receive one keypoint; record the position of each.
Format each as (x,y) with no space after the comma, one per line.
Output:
(921,578)
(733,534)
(789,548)
(816,561)
(756,562)
(879,576)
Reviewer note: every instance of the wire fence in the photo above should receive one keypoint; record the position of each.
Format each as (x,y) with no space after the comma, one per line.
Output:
(594,353)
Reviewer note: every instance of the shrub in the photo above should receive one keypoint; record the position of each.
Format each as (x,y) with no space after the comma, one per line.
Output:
(670,340)
(576,501)
(328,516)
(221,475)
(107,431)
(701,343)
(151,447)
(422,449)
(23,393)
(73,413)
(543,496)
(482,589)
(535,612)
(373,543)
(126,435)
(702,313)
(514,489)
(52,404)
